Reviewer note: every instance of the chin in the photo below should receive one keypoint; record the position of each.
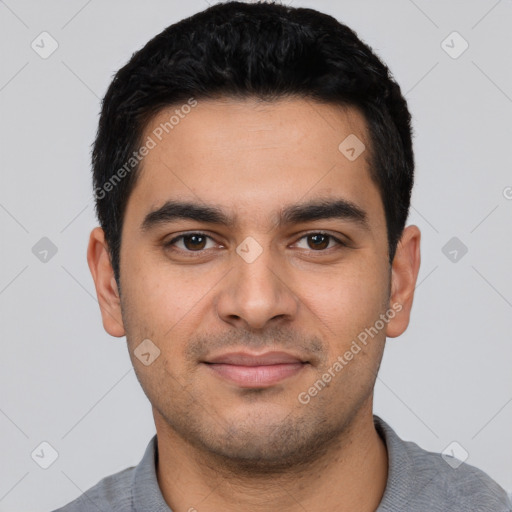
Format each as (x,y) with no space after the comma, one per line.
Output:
(263,448)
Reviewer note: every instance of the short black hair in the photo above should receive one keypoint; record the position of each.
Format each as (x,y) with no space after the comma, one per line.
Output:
(266,51)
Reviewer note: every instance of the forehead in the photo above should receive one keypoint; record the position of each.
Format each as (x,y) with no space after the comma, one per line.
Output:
(254,157)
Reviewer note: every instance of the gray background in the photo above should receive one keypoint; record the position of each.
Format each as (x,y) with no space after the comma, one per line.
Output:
(66,382)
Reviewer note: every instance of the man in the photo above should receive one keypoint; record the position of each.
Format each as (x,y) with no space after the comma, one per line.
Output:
(253,170)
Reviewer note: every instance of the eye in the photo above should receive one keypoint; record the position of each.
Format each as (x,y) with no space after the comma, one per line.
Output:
(191,242)
(320,241)
(197,242)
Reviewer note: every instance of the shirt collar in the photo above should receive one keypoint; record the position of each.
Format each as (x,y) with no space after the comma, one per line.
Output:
(401,481)
(146,494)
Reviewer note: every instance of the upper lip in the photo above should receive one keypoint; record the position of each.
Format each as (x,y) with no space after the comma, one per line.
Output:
(249,359)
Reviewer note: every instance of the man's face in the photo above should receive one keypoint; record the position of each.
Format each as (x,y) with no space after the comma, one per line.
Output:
(265,283)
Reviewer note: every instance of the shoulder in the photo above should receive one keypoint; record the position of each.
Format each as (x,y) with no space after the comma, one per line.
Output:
(457,485)
(422,480)
(112,493)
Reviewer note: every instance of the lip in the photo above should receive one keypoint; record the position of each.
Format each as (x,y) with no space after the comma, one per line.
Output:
(248,359)
(248,370)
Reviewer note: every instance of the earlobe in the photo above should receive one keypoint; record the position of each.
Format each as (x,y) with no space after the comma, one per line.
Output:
(98,258)
(404,274)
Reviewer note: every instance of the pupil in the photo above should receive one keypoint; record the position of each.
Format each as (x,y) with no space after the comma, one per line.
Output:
(316,239)
(194,239)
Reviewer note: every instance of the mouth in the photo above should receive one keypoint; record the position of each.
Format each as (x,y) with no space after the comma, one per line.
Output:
(256,370)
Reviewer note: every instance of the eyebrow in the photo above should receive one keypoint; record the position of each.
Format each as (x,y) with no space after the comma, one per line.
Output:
(317,209)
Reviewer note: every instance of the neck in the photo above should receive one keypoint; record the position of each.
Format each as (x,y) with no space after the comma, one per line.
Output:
(351,475)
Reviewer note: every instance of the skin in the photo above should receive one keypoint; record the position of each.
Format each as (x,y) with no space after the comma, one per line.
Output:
(222,447)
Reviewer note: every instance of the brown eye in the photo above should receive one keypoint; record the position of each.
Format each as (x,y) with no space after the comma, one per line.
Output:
(192,242)
(319,241)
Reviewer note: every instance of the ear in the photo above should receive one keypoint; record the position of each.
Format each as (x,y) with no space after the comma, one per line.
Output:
(98,258)
(404,273)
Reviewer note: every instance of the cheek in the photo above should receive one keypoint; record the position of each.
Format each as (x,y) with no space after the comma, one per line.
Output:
(160,294)
(347,301)
(167,304)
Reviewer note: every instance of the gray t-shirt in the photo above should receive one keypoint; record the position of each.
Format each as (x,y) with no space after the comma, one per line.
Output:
(418,481)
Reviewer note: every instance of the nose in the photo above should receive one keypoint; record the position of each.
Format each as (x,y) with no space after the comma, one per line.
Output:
(257,292)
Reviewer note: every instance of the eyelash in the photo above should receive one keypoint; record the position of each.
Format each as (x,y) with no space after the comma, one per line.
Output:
(170,243)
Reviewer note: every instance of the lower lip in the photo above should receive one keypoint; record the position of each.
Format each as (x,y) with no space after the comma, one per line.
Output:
(256,376)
